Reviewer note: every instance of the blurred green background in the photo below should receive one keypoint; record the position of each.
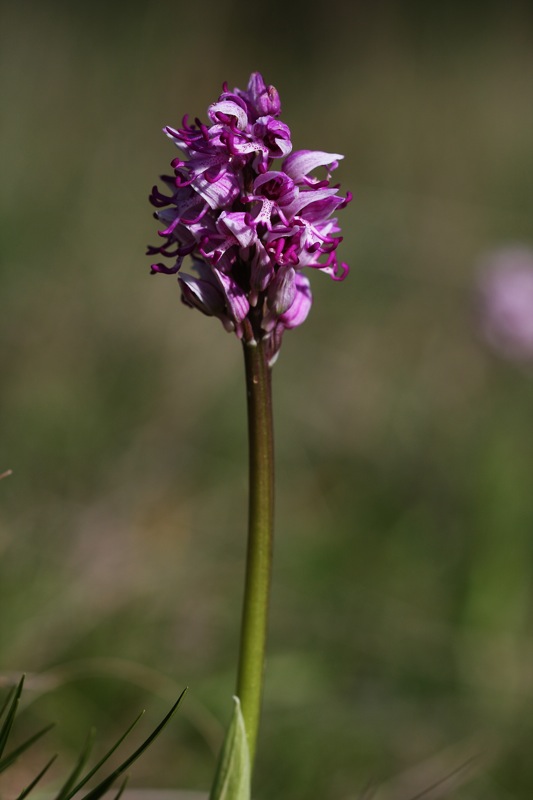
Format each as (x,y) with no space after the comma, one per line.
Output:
(401,631)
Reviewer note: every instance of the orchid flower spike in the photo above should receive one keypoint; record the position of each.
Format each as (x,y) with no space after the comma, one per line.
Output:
(251,226)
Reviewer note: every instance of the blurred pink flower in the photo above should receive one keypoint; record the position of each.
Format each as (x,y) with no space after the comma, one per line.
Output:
(506,294)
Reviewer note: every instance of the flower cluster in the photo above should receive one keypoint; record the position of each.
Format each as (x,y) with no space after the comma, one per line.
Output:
(249,228)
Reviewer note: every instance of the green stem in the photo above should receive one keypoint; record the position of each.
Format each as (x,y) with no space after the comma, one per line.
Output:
(260,535)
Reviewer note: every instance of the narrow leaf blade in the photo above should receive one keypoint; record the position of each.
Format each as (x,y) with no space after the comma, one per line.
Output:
(66,790)
(36,780)
(12,757)
(11,710)
(7,700)
(74,789)
(233,775)
(104,785)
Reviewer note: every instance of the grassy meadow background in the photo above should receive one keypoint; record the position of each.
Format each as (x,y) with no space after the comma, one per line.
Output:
(402,617)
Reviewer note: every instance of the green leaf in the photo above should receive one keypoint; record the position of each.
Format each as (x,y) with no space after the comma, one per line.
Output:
(36,780)
(6,702)
(106,784)
(233,775)
(12,757)
(72,789)
(67,790)
(10,709)
(74,782)
(121,790)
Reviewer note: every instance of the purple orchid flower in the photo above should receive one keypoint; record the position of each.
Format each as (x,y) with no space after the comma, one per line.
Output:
(250,227)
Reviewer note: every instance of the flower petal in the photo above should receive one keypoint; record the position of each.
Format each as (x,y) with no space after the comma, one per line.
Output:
(219,112)
(301,305)
(202,294)
(300,163)
(237,223)
(236,299)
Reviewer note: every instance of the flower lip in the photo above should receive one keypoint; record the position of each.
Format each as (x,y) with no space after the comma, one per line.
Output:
(276,186)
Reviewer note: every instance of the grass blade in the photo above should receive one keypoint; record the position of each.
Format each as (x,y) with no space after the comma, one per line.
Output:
(12,757)
(94,770)
(5,704)
(102,787)
(66,789)
(121,790)
(36,780)
(10,708)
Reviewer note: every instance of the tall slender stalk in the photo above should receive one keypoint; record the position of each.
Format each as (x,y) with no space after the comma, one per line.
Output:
(260,537)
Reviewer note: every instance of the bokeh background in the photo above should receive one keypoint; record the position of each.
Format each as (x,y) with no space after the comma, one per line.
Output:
(401,631)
